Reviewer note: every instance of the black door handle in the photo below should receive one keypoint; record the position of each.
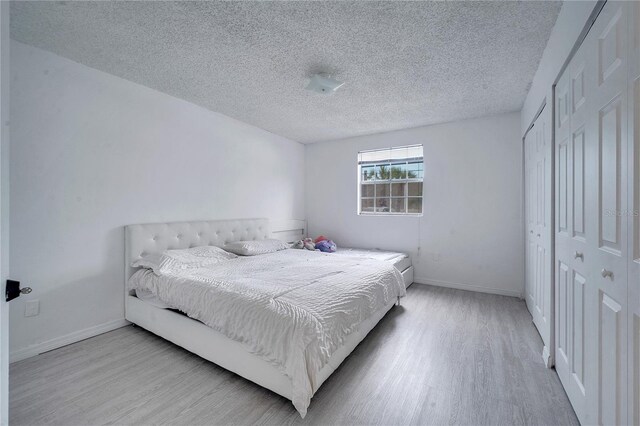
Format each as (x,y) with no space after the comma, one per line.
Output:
(13,290)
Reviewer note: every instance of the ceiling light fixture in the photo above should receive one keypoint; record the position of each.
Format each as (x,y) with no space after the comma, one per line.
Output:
(323,84)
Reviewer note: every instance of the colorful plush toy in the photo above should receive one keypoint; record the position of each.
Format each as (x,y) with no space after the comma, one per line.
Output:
(307,243)
(321,243)
(326,246)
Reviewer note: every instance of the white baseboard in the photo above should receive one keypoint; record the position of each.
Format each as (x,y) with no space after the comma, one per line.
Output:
(468,287)
(65,340)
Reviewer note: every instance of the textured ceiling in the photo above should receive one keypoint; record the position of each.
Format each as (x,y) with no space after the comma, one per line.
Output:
(403,64)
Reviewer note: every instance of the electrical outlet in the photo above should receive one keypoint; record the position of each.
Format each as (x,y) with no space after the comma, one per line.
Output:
(32,308)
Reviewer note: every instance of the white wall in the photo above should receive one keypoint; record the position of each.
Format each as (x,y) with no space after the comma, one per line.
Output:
(471,233)
(4,210)
(571,20)
(91,153)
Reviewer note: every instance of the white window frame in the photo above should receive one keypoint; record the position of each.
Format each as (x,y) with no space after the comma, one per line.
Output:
(390,181)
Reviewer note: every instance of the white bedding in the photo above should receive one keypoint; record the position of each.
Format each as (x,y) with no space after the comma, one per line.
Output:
(293,308)
(400,260)
(387,256)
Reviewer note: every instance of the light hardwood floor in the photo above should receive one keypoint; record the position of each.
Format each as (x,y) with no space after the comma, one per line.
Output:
(444,357)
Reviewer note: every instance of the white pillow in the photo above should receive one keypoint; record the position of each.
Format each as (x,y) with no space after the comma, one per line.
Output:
(252,248)
(195,257)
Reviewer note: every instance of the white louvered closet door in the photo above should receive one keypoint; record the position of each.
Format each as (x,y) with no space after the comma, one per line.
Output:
(593,221)
(538,211)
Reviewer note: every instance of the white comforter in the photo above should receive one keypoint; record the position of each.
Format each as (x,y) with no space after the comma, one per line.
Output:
(293,308)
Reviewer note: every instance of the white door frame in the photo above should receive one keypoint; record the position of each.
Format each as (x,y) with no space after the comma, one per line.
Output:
(4,210)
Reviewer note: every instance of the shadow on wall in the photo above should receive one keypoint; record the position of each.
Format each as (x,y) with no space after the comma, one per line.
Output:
(76,288)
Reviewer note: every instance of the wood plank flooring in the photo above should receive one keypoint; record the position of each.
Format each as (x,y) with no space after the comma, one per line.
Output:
(444,357)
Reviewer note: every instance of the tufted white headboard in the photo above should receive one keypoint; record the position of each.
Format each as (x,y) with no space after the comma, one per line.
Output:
(153,238)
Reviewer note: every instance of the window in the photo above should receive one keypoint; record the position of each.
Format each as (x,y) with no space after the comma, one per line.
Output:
(390,181)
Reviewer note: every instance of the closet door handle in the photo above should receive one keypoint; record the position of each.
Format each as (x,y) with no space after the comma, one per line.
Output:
(578,254)
(606,273)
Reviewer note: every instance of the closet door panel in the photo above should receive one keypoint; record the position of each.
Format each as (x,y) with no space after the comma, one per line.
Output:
(570,222)
(543,231)
(564,166)
(539,219)
(580,94)
(531,276)
(541,258)
(530,212)
(578,178)
(610,190)
(607,122)
(634,216)
(564,315)
(564,179)
(582,229)
(579,284)
(610,45)
(612,379)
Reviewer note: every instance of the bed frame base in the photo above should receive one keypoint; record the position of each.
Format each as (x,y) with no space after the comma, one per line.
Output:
(229,354)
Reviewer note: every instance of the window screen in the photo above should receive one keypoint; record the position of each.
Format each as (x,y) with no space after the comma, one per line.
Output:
(390,181)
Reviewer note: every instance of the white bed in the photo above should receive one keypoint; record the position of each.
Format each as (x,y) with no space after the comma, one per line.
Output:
(215,346)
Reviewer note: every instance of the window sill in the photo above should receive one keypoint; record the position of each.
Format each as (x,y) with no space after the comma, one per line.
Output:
(392,214)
